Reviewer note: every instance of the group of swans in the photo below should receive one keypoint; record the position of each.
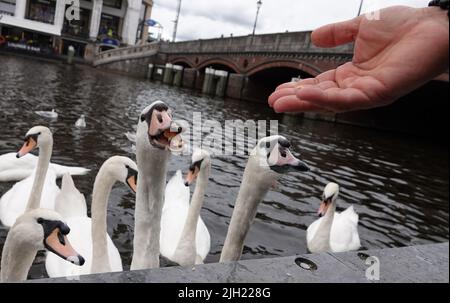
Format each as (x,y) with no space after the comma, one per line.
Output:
(68,205)
(36,227)
(166,222)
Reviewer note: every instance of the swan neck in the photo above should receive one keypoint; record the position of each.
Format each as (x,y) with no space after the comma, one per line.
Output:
(152,168)
(323,234)
(45,153)
(17,258)
(190,227)
(254,187)
(102,188)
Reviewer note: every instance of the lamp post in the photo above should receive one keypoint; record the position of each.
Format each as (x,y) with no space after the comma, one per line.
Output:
(175,26)
(258,6)
(360,7)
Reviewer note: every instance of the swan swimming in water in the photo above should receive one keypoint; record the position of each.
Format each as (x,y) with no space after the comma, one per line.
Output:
(81,122)
(48,114)
(35,230)
(184,237)
(268,161)
(333,232)
(90,236)
(14,202)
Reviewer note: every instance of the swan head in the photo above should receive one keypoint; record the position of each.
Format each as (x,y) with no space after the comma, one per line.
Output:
(201,159)
(123,169)
(274,153)
(45,229)
(37,136)
(330,194)
(162,132)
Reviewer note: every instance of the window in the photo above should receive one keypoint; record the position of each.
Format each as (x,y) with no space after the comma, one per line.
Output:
(7,7)
(109,26)
(41,10)
(113,3)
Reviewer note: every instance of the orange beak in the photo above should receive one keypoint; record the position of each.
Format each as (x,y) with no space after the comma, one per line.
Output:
(160,121)
(28,146)
(191,176)
(132,183)
(323,208)
(58,243)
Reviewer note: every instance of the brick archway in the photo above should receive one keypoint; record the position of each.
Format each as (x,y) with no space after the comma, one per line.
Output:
(220,61)
(182,61)
(294,64)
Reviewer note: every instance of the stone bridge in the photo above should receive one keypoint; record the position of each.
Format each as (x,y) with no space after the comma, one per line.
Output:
(246,67)
(252,54)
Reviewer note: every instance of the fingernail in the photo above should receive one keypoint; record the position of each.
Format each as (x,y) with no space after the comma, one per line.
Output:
(299,87)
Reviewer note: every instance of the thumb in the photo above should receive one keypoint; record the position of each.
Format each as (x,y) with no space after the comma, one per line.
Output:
(337,33)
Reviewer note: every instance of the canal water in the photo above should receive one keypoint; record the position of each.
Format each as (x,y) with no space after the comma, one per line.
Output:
(399,185)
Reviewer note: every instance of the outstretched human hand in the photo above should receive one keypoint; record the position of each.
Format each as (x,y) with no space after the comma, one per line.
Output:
(394,55)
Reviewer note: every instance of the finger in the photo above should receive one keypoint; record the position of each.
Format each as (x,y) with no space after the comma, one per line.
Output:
(335,99)
(308,81)
(337,33)
(280,94)
(292,104)
(286,85)
(322,85)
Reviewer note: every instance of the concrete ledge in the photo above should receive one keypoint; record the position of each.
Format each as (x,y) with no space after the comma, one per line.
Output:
(425,263)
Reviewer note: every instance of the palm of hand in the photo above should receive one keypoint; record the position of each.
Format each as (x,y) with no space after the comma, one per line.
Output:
(390,59)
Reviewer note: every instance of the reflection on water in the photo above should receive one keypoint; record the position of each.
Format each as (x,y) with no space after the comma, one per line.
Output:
(399,186)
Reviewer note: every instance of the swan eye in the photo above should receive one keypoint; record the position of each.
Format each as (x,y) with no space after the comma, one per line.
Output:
(283,152)
(40,220)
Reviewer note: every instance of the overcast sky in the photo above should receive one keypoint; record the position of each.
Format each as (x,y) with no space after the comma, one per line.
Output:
(201,19)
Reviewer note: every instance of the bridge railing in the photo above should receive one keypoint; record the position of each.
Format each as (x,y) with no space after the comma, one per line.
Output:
(291,42)
(126,53)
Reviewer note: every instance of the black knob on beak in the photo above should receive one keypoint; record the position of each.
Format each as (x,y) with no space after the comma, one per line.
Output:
(81,260)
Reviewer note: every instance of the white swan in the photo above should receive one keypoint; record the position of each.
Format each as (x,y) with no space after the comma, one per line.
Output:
(184,238)
(37,229)
(156,134)
(81,122)
(90,237)
(335,232)
(267,162)
(16,169)
(47,114)
(14,202)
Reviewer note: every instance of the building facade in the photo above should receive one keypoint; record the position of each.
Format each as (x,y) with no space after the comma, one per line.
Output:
(51,26)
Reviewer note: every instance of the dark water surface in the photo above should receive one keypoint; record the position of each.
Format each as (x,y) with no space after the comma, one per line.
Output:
(399,185)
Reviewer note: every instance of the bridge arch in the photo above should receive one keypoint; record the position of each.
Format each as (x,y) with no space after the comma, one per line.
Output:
(304,67)
(183,61)
(263,79)
(230,66)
